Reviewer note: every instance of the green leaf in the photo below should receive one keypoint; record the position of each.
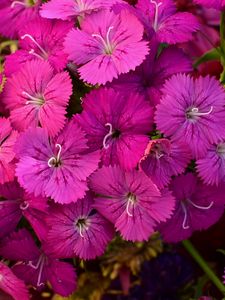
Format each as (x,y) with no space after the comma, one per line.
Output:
(213,54)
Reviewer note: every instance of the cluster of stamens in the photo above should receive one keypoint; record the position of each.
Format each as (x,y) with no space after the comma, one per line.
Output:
(108,46)
(131,200)
(55,161)
(82,225)
(33,100)
(40,265)
(157,5)
(44,54)
(111,134)
(194,113)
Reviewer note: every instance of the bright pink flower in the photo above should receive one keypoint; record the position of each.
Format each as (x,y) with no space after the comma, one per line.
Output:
(131,201)
(106,46)
(197,207)
(35,267)
(8,138)
(170,27)
(164,159)
(35,96)
(12,285)
(192,111)
(76,230)
(67,9)
(15,15)
(117,125)
(56,168)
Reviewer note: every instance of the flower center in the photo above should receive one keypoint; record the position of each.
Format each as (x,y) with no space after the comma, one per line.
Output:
(33,100)
(82,225)
(184,208)
(80,4)
(221,149)
(157,5)
(55,161)
(39,266)
(193,113)
(157,151)
(107,45)
(111,134)
(24,205)
(43,55)
(131,201)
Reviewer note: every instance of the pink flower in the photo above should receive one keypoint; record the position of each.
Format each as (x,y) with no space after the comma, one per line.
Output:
(35,267)
(8,138)
(131,201)
(164,159)
(217,4)
(197,207)
(192,111)
(12,285)
(106,46)
(117,125)
(76,230)
(56,168)
(34,96)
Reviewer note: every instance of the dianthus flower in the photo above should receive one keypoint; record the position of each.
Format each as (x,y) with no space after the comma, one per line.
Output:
(170,27)
(55,168)
(8,138)
(16,14)
(35,96)
(77,230)
(197,207)
(117,125)
(149,77)
(217,4)
(41,39)
(35,267)
(12,285)
(106,46)
(16,203)
(131,201)
(163,159)
(192,111)
(67,9)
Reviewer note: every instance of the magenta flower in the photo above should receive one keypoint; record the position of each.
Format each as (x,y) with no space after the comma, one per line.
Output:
(148,78)
(197,207)
(107,45)
(35,267)
(211,167)
(41,39)
(217,4)
(8,138)
(67,9)
(192,111)
(117,125)
(76,230)
(169,26)
(164,159)
(131,201)
(34,96)
(15,15)
(16,203)
(12,285)
(55,168)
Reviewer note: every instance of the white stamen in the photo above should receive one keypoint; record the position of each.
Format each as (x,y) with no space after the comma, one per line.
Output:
(17,3)
(106,43)
(40,264)
(202,207)
(195,112)
(35,42)
(80,230)
(24,205)
(33,100)
(54,160)
(157,5)
(184,224)
(106,146)
(32,52)
(129,202)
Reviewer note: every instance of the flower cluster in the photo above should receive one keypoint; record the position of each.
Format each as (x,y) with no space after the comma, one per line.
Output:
(144,152)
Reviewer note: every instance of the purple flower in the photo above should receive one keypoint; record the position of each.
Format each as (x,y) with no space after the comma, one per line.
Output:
(8,138)
(36,96)
(55,168)
(149,77)
(12,285)
(67,9)
(192,111)
(41,39)
(35,267)
(76,230)
(131,201)
(15,204)
(106,46)
(164,159)
(169,26)
(197,207)
(15,15)
(117,125)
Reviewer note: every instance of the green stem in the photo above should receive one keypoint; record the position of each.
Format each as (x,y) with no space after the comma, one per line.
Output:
(202,263)
(222,45)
